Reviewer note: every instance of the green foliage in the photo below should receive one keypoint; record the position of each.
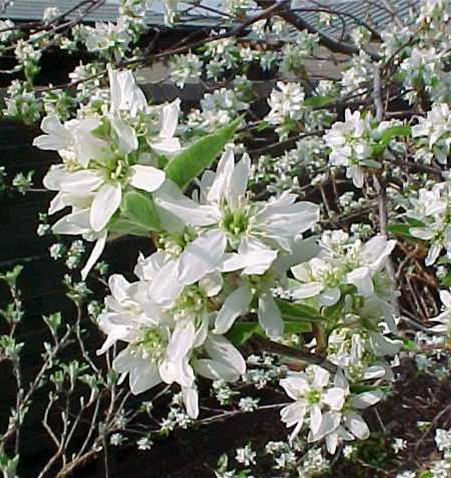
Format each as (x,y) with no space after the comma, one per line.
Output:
(241,332)
(298,312)
(318,101)
(8,466)
(191,162)
(138,215)
(395,131)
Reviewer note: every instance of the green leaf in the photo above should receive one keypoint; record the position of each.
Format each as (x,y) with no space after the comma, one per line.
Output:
(403,229)
(394,131)
(125,227)
(298,311)
(318,101)
(241,332)
(187,165)
(138,212)
(446,281)
(400,229)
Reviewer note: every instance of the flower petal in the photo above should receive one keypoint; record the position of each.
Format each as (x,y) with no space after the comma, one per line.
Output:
(105,204)
(235,305)
(269,316)
(202,256)
(146,178)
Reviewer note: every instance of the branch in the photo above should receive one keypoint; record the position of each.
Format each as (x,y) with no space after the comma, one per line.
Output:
(325,40)
(276,348)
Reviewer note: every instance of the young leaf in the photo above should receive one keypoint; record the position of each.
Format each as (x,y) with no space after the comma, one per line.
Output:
(124,226)
(241,332)
(394,131)
(299,312)
(318,101)
(187,165)
(139,210)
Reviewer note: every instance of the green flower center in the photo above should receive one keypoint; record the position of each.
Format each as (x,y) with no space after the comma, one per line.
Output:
(236,223)
(151,344)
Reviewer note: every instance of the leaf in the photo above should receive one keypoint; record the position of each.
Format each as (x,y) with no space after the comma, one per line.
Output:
(125,227)
(298,311)
(403,230)
(318,101)
(138,212)
(400,229)
(191,162)
(390,133)
(241,332)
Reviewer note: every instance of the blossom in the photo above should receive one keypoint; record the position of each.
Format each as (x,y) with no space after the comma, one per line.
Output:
(332,411)
(349,145)
(286,103)
(225,216)
(435,131)
(356,264)
(102,159)
(430,210)
(168,341)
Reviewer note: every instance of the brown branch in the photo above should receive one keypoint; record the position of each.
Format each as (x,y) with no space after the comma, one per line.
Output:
(280,349)
(325,40)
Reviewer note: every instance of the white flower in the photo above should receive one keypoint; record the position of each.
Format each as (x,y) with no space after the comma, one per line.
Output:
(256,231)
(435,131)
(312,395)
(350,146)
(357,264)
(169,338)
(431,208)
(101,160)
(287,102)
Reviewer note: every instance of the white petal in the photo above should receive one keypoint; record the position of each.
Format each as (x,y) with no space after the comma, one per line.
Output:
(80,182)
(202,256)
(238,182)
(361,278)
(269,316)
(214,370)
(95,255)
(367,399)
(119,286)
(304,291)
(224,172)
(142,374)
(434,252)
(171,198)
(166,146)
(330,297)
(357,426)
(257,257)
(146,178)
(191,400)
(73,224)
(335,398)
(166,286)
(235,305)
(124,136)
(222,351)
(105,204)
(169,119)
(321,378)
(445,297)
(212,284)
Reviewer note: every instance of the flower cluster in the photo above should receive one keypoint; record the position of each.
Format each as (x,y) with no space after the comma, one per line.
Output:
(103,159)
(430,214)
